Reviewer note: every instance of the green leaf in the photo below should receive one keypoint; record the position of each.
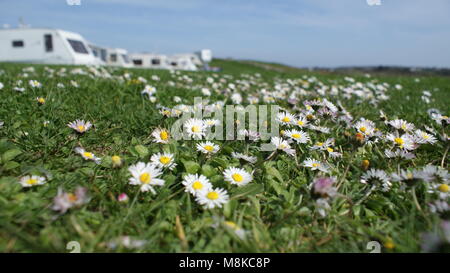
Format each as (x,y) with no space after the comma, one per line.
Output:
(208,170)
(247,190)
(141,150)
(274,172)
(191,166)
(10,154)
(10,165)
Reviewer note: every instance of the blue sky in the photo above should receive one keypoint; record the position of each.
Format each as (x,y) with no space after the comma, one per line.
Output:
(296,32)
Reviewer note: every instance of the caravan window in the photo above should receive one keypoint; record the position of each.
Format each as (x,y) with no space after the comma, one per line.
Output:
(78,46)
(103,54)
(137,61)
(17,43)
(48,43)
(113,57)
(125,58)
(156,61)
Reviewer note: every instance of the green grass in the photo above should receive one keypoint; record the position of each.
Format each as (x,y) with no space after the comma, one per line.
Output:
(276,209)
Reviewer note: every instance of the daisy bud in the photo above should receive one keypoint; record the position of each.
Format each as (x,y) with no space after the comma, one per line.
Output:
(389,244)
(116,161)
(40,100)
(365,164)
(123,197)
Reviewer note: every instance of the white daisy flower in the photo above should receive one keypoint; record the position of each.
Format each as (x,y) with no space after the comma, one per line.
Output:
(285,118)
(365,127)
(315,165)
(88,155)
(196,184)
(423,137)
(208,147)
(377,178)
(281,144)
(301,121)
(146,176)
(149,91)
(333,153)
(164,160)
(80,125)
(161,135)
(31,180)
(297,136)
(441,189)
(237,176)
(250,159)
(411,177)
(405,141)
(399,153)
(195,128)
(211,122)
(213,198)
(401,124)
(35,84)
(323,145)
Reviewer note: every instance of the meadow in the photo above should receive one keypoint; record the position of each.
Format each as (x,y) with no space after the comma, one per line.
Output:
(342,174)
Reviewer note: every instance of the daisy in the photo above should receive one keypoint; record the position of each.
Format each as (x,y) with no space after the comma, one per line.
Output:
(437,174)
(439,206)
(31,180)
(237,176)
(208,147)
(405,141)
(161,135)
(411,177)
(195,128)
(88,155)
(423,137)
(399,153)
(35,84)
(250,159)
(323,186)
(365,127)
(164,160)
(213,198)
(315,165)
(285,118)
(196,184)
(333,153)
(64,201)
(252,135)
(377,178)
(301,121)
(281,144)
(149,91)
(323,145)
(80,125)
(211,122)
(401,124)
(297,136)
(441,189)
(146,176)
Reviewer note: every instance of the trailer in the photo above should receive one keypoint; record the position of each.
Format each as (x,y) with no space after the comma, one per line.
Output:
(46,46)
(118,57)
(150,60)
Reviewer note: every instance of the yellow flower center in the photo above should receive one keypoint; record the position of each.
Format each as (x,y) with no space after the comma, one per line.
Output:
(32,181)
(116,159)
(301,123)
(237,177)
(164,159)
(315,164)
(286,119)
(209,148)
(296,136)
(231,224)
(41,100)
(425,136)
(319,144)
(399,141)
(72,197)
(363,129)
(81,128)
(389,245)
(195,129)
(212,195)
(309,116)
(145,178)
(443,188)
(403,126)
(88,154)
(330,149)
(164,135)
(197,185)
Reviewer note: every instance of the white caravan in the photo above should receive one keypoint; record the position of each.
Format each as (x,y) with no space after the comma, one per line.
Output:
(101,53)
(44,45)
(183,62)
(149,60)
(118,57)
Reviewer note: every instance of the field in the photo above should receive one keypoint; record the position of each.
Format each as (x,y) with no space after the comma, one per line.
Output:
(53,193)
